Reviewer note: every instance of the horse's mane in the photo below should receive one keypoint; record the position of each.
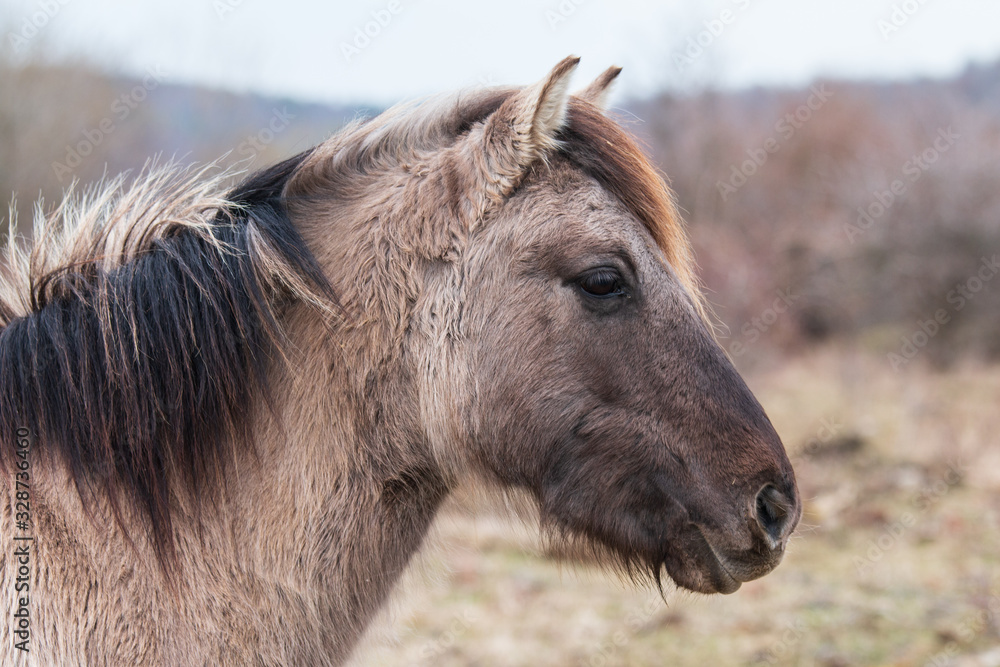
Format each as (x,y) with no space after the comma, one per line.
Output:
(140,325)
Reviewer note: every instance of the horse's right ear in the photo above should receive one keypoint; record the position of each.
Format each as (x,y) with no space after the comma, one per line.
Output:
(524,127)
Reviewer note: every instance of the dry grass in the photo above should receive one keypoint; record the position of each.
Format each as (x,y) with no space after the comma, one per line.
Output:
(897,560)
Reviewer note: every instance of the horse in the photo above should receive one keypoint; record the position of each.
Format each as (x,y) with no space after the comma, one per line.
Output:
(230,412)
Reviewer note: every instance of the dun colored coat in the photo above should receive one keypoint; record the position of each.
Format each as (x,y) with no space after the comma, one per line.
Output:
(240,411)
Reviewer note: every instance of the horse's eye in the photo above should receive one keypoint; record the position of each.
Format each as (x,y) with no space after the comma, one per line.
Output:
(602,283)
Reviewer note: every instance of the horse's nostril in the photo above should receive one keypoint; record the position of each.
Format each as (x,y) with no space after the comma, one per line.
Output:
(774,514)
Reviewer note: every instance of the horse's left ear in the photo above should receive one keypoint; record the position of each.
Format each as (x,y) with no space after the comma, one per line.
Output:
(524,127)
(597,92)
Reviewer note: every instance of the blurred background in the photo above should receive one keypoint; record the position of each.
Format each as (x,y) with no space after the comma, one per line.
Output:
(838,165)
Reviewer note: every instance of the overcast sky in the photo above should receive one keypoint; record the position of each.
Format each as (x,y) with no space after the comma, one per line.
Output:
(385,50)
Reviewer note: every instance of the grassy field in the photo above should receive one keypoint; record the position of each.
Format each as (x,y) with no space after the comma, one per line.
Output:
(896,561)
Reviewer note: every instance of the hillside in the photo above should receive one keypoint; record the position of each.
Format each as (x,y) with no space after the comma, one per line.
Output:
(849,210)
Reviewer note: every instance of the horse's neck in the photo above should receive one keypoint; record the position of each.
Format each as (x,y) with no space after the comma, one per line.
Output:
(330,550)
(315,530)
(347,496)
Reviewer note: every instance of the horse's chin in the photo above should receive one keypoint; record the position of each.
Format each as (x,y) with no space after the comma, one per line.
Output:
(693,555)
(697,567)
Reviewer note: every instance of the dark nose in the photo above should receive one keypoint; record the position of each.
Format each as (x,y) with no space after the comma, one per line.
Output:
(776,515)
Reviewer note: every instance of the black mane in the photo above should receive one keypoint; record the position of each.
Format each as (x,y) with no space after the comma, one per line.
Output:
(149,371)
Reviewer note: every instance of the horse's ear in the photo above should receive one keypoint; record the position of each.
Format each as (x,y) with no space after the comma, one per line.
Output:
(525,126)
(597,92)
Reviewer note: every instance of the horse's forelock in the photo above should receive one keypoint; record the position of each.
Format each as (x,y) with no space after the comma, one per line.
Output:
(603,150)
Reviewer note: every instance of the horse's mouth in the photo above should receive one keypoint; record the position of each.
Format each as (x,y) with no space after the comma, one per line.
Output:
(700,568)
(705,569)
